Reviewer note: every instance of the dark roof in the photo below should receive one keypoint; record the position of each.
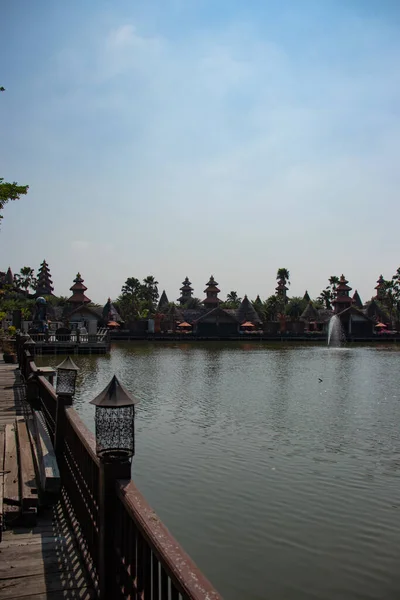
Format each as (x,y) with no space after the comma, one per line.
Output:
(193,314)
(310,313)
(219,311)
(163,301)
(97,311)
(354,310)
(247,312)
(357,300)
(324,315)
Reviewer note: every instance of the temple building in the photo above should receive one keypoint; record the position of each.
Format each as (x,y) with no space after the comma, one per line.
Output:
(380,288)
(163,303)
(79,314)
(247,312)
(281,290)
(357,300)
(342,299)
(186,292)
(211,300)
(44,286)
(78,292)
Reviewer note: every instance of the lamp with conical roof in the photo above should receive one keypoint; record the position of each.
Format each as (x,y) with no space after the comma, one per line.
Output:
(115,422)
(67,372)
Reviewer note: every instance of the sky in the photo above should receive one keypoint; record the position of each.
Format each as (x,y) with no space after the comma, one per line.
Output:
(198,137)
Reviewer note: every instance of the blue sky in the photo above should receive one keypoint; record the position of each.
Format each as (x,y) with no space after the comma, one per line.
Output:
(190,137)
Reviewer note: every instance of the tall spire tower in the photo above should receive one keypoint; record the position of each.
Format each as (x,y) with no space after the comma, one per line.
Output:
(44,286)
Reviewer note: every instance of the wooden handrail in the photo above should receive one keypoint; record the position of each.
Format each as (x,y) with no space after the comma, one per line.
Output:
(45,383)
(179,566)
(86,437)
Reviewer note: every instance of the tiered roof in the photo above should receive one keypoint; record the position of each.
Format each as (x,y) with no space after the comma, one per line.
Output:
(44,285)
(380,288)
(186,291)
(211,300)
(342,299)
(78,292)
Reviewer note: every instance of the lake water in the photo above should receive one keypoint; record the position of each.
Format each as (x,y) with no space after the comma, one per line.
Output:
(278,485)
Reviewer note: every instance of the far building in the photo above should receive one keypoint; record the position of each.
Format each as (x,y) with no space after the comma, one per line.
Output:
(342,299)
(247,312)
(306,297)
(281,290)
(380,288)
(357,300)
(354,321)
(44,286)
(211,300)
(186,292)
(163,302)
(79,315)
(78,292)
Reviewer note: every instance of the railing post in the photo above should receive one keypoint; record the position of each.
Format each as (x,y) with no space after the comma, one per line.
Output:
(59,429)
(110,471)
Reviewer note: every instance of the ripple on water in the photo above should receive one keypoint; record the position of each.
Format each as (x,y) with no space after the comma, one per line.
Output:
(277,484)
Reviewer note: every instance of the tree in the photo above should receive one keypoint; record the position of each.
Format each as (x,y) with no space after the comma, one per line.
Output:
(26,278)
(232,300)
(272,307)
(325,298)
(149,292)
(284,275)
(295,307)
(131,286)
(193,303)
(10,191)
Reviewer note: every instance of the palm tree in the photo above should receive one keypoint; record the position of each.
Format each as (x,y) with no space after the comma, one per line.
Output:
(325,298)
(193,303)
(233,300)
(295,307)
(131,287)
(333,283)
(26,278)
(284,275)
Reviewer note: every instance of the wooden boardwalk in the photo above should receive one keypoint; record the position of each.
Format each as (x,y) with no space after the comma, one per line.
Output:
(12,393)
(42,561)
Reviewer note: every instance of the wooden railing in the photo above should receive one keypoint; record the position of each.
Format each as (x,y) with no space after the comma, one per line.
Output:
(52,337)
(129,553)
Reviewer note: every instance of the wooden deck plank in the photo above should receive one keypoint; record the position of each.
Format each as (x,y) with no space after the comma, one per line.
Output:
(11,484)
(28,487)
(43,561)
(1,481)
(48,467)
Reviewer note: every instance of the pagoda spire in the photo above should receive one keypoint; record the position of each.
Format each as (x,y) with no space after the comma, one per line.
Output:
(306,297)
(342,299)
(186,292)
(281,289)
(44,286)
(357,300)
(211,300)
(380,288)
(78,292)
(163,303)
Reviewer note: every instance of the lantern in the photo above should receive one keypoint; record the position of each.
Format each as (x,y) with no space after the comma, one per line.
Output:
(115,422)
(66,377)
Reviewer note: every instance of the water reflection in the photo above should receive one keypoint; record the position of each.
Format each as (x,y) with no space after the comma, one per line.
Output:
(277,483)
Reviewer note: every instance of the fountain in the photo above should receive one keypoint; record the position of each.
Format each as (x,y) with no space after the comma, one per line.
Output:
(335,332)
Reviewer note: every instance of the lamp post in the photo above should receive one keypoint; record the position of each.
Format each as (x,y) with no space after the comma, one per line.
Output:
(67,372)
(115,446)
